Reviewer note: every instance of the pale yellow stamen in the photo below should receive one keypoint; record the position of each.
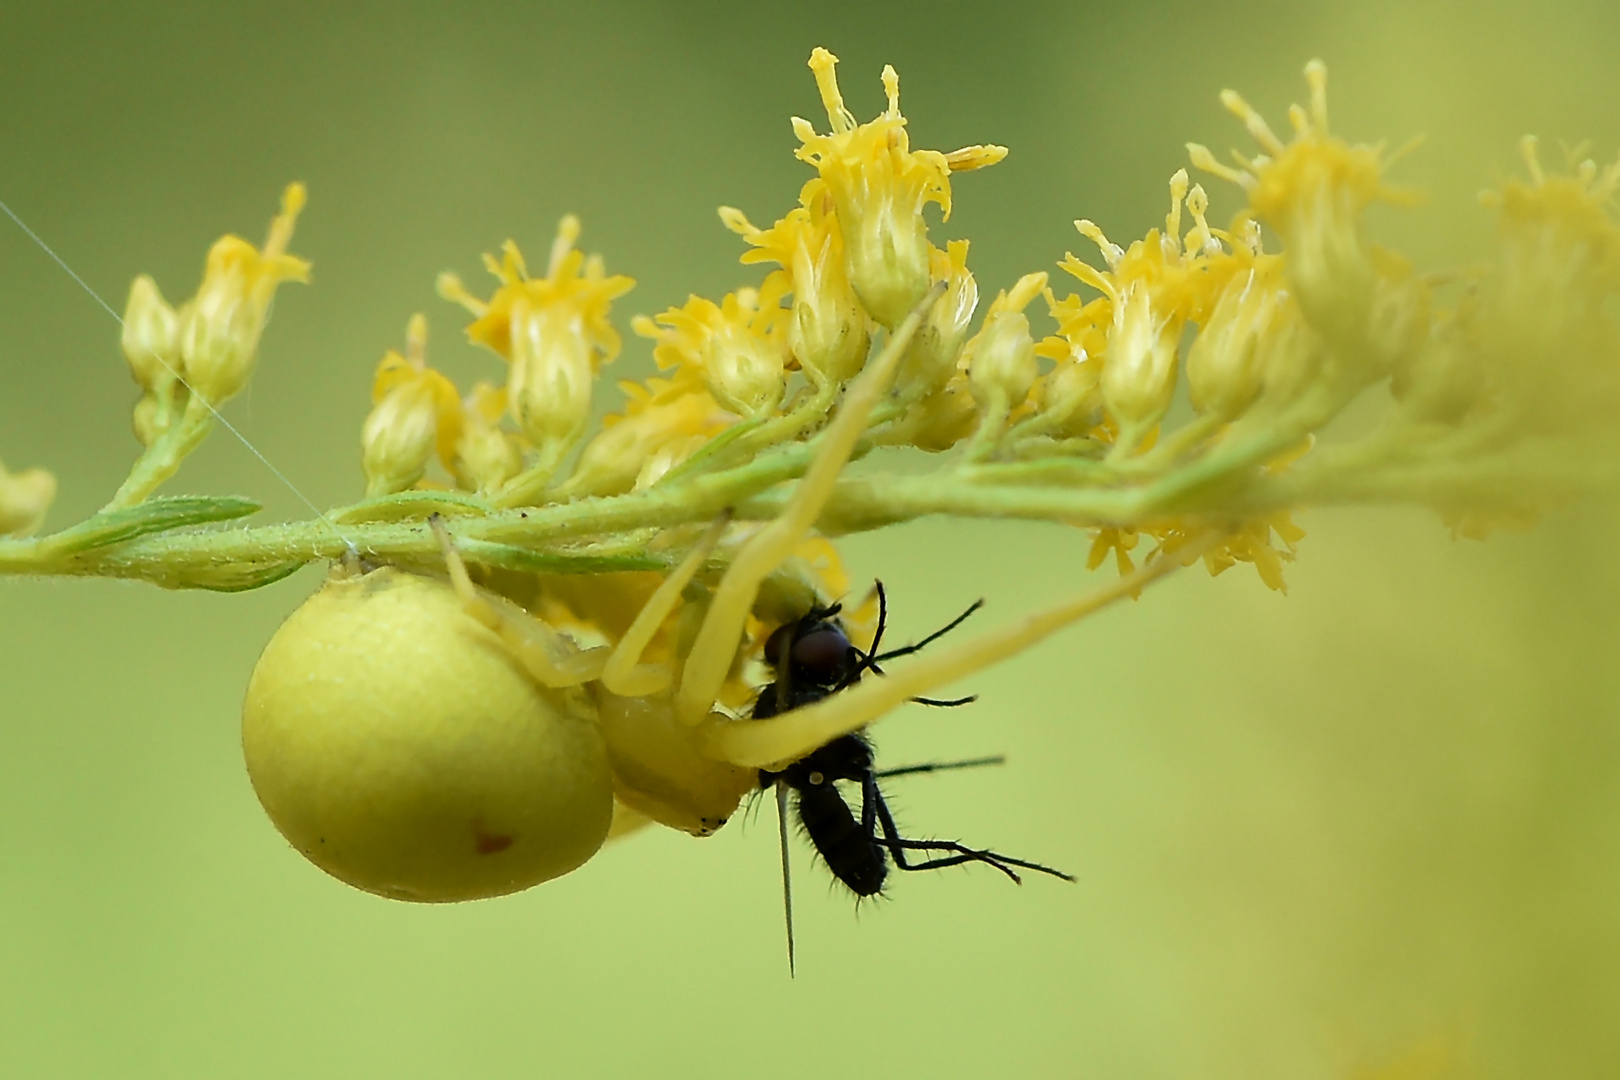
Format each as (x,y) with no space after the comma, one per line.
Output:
(822,63)
(1316,79)
(1238,107)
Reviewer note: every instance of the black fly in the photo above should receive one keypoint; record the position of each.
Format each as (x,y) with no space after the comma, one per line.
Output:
(813,658)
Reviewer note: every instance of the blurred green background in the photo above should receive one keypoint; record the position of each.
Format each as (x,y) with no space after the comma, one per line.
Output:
(1374,825)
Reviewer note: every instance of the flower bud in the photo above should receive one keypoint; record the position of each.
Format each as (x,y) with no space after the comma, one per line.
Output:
(549,388)
(1071,396)
(1000,359)
(1290,357)
(485,456)
(943,418)
(612,462)
(397,439)
(935,347)
(24,499)
(151,419)
(220,326)
(1139,369)
(743,371)
(415,410)
(1441,380)
(151,338)
(1223,370)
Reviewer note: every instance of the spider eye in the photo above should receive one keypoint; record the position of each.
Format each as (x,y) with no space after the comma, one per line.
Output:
(822,652)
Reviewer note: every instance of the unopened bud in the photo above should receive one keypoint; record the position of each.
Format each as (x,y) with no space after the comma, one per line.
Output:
(1001,357)
(485,457)
(549,388)
(151,337)
(220,326)
(936,346)
(24,499)
(1071,396)
(743,371)
(1441,380)
(943,418)
(415,411)
(398,438)
(1223,368)
(1139,369)
(152,418)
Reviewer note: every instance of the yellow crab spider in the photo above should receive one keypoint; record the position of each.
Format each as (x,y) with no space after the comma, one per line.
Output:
(430,740)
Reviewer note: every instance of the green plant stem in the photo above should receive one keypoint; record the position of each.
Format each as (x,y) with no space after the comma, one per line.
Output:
(162,459)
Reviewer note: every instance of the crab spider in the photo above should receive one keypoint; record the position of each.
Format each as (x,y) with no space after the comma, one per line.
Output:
(435,741)
(678,758)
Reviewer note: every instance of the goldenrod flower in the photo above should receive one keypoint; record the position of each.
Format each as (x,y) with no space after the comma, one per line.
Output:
(738,346)
(554,331)
(415,411)
(937,345)
(1312,191)
(1224,370)
(1071,396)
(486,457)
(24,499)
(660,413)
(1152,290)
(879,186)
(827,331)
(1548,327)
(1000,358)
(151,336)
(220,326)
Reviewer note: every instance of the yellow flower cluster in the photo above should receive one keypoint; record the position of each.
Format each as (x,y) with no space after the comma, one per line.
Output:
(202,353)
(1178,394)
(1186,393)
(1190,319)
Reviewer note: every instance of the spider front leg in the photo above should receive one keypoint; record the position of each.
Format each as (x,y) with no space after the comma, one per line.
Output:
(715,647)
(780,740)
(624,674)
(549,657)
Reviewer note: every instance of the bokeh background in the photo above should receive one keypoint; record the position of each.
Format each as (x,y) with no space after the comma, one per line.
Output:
(1370,829)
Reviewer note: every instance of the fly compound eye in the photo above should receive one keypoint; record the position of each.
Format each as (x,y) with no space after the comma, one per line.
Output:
(822,653)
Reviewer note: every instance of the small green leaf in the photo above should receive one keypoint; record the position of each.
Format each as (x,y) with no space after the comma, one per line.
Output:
(413,506)
(508,557)
(152,516)
(231,577)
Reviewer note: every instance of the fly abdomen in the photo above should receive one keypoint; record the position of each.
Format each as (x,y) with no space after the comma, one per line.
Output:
(847,848)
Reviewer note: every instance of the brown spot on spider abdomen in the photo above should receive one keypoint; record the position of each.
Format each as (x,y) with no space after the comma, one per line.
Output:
(488,843)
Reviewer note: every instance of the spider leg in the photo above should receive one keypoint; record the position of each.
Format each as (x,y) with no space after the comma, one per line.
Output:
(624,673)
(898,845)
(789,737)
(715,646)
(947,703)
(550,657)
